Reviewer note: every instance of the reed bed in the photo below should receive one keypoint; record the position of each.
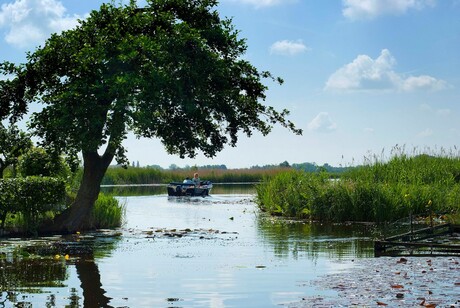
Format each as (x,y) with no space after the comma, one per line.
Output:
(375,192)
(135,175)
(108,212)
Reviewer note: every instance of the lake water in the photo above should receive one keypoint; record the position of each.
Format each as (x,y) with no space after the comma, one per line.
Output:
(218,251)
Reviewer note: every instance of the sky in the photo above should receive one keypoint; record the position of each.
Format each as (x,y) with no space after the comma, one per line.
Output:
(363,78)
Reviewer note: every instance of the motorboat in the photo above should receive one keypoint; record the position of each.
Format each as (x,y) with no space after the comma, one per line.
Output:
(186,188)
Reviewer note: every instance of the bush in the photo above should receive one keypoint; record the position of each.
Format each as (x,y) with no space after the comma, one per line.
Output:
(32,198)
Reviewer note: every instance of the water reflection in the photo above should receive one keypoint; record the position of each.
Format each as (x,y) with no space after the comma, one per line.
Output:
(90,278)
(182,252)
(291,238)
(31,268)
(17,272)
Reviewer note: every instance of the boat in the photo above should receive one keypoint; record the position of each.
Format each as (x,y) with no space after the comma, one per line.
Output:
(178,189)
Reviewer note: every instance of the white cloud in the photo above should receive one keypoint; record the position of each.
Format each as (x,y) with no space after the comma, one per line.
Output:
(30,22)
(322,123)
(288,48)
(369,130)
(368,9)
(422,82)
(365,73)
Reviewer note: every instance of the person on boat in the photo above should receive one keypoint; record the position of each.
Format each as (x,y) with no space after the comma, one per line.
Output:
(196,179)
(188,181)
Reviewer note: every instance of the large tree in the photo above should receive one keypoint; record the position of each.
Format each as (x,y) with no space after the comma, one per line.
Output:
(171,70)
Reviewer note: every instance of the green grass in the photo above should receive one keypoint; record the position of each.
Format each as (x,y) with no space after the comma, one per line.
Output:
(108,212)
(376,192)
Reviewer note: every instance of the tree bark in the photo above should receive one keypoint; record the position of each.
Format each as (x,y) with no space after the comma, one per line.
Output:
(77,216)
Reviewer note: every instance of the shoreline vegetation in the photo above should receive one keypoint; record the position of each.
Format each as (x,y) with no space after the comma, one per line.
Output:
(133,175)
(141,176)
(422,185)
(379,191)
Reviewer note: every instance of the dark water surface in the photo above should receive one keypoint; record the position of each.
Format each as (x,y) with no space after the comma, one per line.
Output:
(217,251)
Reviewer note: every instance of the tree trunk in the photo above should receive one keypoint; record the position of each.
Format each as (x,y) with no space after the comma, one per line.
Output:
(76,217)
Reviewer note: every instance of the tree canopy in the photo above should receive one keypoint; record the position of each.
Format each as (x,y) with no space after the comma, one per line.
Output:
(37,162)
(13,143)
(171,70)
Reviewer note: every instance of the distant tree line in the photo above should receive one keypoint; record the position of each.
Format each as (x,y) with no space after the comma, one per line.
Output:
(307,167)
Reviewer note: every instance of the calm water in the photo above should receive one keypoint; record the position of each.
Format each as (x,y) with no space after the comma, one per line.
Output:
(217,251)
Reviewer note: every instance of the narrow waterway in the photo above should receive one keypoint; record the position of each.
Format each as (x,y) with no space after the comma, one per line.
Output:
(218,251)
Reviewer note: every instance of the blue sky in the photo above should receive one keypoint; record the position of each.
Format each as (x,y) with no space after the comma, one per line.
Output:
(361,76)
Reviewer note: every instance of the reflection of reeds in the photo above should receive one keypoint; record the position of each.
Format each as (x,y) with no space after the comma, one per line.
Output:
(313,239)
(377,191)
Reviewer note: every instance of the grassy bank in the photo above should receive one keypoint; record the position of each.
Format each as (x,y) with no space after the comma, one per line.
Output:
(376,192)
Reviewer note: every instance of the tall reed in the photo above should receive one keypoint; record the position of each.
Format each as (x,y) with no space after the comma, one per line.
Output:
(135,175)
(377,191)
(108,212)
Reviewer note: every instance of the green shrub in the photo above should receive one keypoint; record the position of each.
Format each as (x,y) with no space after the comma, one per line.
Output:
(32,198)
